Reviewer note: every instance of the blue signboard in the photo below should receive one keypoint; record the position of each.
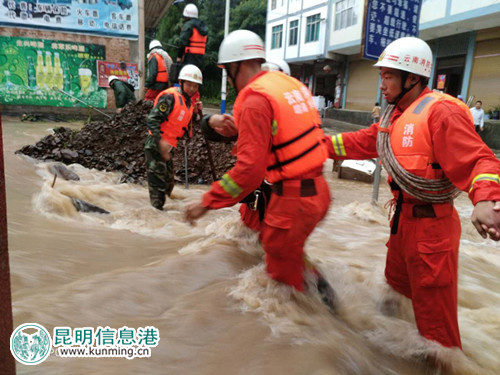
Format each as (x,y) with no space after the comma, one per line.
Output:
(102,17)
(388,20)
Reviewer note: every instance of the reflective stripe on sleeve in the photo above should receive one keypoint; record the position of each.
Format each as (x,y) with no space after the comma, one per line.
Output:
(338,145)
(484,177)
(230,186)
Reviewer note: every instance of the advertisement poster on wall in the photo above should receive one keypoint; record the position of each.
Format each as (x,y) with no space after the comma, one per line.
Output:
(103,17)
(49,73)
(441,80)
(124,71)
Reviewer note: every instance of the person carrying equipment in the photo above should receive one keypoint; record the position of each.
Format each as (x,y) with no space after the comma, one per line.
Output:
(279,139)
(169,121)
(193,38)
(159,64)
(427,143)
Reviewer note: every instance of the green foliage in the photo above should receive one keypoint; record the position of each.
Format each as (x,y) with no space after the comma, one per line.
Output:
(244,14)
(250,15)
(169,29)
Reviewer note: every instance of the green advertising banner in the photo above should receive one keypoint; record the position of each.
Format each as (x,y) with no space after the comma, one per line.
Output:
(48,73)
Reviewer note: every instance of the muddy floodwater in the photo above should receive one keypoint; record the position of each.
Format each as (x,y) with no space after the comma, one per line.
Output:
(205,288)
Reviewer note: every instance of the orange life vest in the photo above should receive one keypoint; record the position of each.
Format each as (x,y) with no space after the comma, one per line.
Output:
(178,120)
(162,74)
(410,136)
(197,43)
(297,145)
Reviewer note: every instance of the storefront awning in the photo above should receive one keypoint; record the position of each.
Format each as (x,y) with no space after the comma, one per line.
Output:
(154,10)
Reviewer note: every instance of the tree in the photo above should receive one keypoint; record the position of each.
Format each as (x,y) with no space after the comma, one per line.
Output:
(250,15)
(244,14)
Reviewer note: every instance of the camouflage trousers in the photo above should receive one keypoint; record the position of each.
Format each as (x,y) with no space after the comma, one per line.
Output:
(160,174)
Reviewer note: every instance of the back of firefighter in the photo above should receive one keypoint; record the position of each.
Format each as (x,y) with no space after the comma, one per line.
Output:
(279,139)
(169,121)
(193,38)
(429,148)
(221,128)
(159,64)
(123,91)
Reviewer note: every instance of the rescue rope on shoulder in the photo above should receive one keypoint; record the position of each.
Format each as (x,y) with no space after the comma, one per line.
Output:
(429,190)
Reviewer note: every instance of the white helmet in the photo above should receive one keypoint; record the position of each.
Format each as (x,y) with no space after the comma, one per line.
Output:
(277,64)
(409,54)
(241,45)
(191,73)
(111,79)
(154,43)
(190,11)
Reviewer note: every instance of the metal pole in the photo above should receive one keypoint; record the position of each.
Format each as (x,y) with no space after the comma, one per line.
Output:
(211,160)
(141,45)
(376,182)
(209,153)
(186,164)
(378,168)
(81,101)
(223,93)
(7,363)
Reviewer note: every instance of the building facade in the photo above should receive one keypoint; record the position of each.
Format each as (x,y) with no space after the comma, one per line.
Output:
(56,57)
(321,40)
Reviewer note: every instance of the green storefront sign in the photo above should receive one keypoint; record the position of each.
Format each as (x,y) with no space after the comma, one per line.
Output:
(38,71)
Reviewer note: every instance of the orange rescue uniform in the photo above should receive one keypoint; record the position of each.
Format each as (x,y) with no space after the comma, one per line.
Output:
(179,119)
(278,139)
(433,137)
(161,76)
(197,43)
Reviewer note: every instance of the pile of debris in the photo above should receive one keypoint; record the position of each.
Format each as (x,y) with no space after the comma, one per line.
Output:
(118,145)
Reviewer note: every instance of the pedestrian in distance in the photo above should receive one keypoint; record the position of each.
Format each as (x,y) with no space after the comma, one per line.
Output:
(279,139)
(193,38)
(123,91)
(159,66)
(427,143)
(478,116)
(169,121)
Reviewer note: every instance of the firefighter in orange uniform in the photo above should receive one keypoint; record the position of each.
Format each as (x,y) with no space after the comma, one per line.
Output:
(159,63)
(427,143)
(279,139)
(168,122)
(221,128)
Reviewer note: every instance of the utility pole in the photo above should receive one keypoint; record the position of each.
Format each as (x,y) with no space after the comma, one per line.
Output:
(223,93)
(7,363)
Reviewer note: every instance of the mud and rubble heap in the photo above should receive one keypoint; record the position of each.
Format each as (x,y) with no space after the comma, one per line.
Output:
(118,145)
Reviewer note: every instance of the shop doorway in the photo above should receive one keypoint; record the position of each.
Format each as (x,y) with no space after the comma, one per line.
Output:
(450,75)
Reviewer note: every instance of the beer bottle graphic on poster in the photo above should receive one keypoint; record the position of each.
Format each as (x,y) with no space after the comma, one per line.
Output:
(49,79)
(58,72)
(31,73)
(40,70)
(8,82)
(66,77)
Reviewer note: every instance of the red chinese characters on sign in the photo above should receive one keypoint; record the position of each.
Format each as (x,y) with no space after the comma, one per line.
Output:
(124,71)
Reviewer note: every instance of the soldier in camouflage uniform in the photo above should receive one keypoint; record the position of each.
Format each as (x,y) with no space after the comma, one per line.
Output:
(168,122)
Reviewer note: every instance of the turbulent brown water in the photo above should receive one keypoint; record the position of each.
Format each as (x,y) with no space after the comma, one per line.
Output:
(205,287)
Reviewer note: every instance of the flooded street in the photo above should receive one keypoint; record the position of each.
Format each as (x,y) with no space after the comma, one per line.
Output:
(205,287)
